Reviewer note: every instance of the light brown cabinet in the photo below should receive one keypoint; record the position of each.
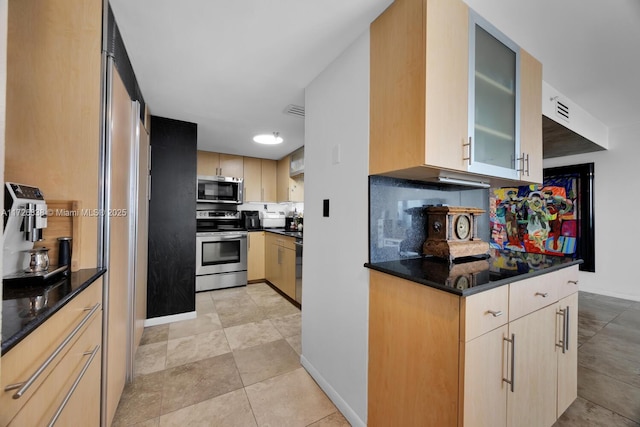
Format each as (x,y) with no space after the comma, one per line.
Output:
(60,121)
(280,265)
(288,189)
(529,351)
(259,180)
(218,164)
(502,354)
(76,330)
(420,80)
(256,256)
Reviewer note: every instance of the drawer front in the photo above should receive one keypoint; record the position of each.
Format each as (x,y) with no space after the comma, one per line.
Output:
(289,243)
(50,396)
(527,296)
(483,312)
(19,363)
(567,281)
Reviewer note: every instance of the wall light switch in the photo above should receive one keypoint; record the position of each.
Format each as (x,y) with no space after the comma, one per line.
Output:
(337,154)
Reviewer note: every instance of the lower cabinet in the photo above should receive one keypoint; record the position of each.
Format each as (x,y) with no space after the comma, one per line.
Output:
(67,390)
(567,358)
(532,394)
(256,259)
(280,265)
(513,370)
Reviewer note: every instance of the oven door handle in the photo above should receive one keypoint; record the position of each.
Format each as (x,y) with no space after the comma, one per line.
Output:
(218,238)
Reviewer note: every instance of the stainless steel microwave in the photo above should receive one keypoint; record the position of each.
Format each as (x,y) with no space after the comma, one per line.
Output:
(219,189)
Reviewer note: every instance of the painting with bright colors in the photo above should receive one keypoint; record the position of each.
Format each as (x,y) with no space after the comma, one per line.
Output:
(539,219)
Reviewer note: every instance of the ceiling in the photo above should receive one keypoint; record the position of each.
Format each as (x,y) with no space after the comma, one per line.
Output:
(234,66)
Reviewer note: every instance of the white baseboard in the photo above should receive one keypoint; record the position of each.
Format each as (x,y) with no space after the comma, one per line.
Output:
(337,400)
(169,319)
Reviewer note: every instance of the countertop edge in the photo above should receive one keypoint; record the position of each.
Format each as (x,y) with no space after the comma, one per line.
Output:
(12,341)
(476,290)
(281,232)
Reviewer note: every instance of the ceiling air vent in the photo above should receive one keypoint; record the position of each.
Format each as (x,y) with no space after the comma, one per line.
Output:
(294,110)
(562,110)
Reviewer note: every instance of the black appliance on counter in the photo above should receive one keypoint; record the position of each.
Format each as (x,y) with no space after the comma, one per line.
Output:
(251,220)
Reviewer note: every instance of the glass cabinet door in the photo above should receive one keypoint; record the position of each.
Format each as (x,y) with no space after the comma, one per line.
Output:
(494,101)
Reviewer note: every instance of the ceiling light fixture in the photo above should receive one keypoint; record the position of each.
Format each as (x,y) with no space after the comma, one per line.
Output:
(273,139)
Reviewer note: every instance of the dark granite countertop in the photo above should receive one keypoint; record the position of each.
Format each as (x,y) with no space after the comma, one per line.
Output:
(473,274)
(282,231)
(18,320)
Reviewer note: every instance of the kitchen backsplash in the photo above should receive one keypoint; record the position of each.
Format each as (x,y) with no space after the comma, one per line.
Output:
(396,226)
(287,208)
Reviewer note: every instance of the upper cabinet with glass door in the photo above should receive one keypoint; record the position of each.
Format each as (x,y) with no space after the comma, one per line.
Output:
(451,96)
(494,101)
(496,105)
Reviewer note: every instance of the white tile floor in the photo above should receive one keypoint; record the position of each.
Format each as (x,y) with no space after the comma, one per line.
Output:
(236,364)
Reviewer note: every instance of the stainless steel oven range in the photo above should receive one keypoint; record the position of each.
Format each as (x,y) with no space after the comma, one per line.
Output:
(221,250)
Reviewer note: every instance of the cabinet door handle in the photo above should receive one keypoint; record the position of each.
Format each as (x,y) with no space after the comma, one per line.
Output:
(566,323)
(563,341)
(495,313)
(24,386)
(573,282)
(511,381)
(527,169)
(470,148)
(91,355)
(542,294)
(521,161)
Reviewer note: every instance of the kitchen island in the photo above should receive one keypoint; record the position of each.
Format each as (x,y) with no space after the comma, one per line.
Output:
(488,341)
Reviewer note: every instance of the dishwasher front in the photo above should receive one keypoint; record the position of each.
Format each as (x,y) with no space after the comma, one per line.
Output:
(299,271)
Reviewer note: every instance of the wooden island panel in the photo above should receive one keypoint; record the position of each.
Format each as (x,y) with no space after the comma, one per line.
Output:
(420,372)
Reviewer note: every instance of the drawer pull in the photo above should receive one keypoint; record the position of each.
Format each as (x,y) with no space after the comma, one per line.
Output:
(572,282)
(91,355)
(542,294)
(24,386)
(495,313)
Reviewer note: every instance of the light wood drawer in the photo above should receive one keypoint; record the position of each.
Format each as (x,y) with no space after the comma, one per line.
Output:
(483,312)
(42,406)
(284,241)
(19,363)
(290,243)
(567,281)
(529,295)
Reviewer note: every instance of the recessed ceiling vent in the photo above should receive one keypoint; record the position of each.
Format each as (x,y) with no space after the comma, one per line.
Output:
(294,110)
(562,109)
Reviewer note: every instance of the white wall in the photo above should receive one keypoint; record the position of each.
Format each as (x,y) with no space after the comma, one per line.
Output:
(580,121)
(335,283)
(616,206)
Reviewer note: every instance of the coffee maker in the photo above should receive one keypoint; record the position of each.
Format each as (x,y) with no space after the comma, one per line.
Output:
(25,218)
(251,220)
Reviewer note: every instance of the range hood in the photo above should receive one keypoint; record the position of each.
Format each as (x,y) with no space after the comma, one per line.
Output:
(559,141)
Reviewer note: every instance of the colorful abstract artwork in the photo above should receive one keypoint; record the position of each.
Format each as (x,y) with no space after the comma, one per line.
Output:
(536,219)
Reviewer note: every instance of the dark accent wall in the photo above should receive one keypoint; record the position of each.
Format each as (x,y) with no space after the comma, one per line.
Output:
(172,218)
(115,47)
